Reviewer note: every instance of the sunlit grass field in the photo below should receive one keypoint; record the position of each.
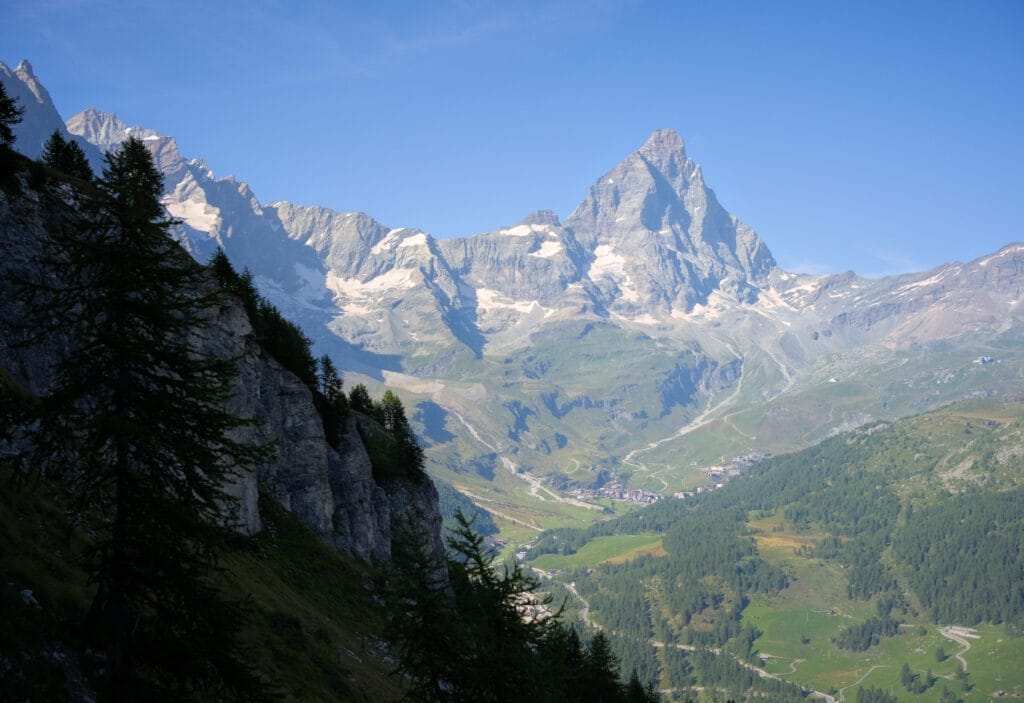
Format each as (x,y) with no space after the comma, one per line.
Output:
(613,548)
(798,626)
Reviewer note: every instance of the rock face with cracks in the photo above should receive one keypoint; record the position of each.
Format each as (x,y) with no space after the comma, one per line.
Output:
(332,491)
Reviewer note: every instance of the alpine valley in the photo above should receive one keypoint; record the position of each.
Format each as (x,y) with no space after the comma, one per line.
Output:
(830,458)
(648,335)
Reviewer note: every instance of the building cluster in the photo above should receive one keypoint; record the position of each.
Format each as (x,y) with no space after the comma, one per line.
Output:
(615,491)
(722,473)
(734,467)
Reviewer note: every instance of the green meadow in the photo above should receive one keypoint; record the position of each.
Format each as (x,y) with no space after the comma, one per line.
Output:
(799,623)
(613,548)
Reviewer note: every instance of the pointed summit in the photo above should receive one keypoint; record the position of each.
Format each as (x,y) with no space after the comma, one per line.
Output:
(541,217)
(663,141)
(40,119)
(673,243)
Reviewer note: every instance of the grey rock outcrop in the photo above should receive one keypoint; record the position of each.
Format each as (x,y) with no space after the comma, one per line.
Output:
(333,492)
(40,118)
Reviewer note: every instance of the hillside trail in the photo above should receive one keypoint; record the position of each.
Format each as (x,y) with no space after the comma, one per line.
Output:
(947,632)
(716,411)
(534,482)
(710,414)
(479,501)
(585,616)
(841,697)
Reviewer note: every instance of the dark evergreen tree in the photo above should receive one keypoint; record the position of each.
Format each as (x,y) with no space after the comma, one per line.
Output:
(331,400)
(424,641)
(331,384)
(906,676)
(949,697)
(482,636)
(503,623)
(10,114)
(140,436)
(601,671)
(66,156)
(635,692)
(359,399)
(392,414)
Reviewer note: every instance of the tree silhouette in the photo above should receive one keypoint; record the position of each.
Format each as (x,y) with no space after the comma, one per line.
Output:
(10,114)
(136,426)
(66,156)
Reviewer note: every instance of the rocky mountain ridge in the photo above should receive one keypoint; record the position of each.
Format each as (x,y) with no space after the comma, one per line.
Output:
(648,332)
(332,491)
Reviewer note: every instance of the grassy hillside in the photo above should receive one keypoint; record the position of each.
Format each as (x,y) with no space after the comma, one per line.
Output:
(313,626)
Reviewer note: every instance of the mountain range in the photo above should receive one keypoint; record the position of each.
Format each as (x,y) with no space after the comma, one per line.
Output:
(647,335)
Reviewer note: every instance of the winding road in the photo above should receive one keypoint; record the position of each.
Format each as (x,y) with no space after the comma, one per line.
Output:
(585,616)
(841,697)
(947,632)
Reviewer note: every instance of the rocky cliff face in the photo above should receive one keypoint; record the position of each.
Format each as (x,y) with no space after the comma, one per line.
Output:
(40,118)
(333,492)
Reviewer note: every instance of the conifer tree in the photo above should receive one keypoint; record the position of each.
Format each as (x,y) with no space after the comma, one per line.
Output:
(66,156)
(359,399)
(393,418)
(425,642)
(601,667)
(10,114)
(330,399)
(145,444)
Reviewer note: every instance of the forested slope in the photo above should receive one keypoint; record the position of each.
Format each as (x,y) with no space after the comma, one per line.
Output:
(906,523)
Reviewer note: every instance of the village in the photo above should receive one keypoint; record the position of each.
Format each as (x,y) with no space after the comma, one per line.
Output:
(720,474)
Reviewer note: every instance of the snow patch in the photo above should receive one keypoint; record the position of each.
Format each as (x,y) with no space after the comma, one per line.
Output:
(920,284)
(609,264)
(641,319)
(414,241)
(523,230)
(1013,249)
(197,214)
(359,291)
(488,300)
(548,249)
(314,283)
(389,242)
(606,263)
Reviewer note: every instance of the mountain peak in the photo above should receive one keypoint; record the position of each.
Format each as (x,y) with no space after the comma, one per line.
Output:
(24,68)
(541,217)
(662,142)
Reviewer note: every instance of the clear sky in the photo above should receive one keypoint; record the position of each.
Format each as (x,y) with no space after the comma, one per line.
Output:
(878,136)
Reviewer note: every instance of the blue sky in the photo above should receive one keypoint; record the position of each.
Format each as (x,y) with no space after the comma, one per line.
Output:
(876,136)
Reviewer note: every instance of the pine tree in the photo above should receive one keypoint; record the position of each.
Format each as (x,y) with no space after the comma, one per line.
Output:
(906,676)
(330,400)
(501,636)
(139,433)
(10,114)
(601,669)
(424,641)
(394,420)
(66,156)
(635,690)
(359,399)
